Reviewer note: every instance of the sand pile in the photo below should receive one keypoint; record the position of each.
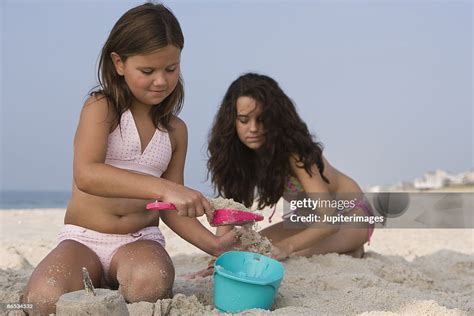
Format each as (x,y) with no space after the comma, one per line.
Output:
(102,302)
(180,304)
(250,239)
(219,202)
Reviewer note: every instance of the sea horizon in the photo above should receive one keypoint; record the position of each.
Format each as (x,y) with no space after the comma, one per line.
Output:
(29,199)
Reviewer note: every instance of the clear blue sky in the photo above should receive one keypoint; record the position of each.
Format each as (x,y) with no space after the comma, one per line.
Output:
(385,85)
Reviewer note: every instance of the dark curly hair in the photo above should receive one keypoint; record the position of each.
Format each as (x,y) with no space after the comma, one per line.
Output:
(140,30)
(239,172)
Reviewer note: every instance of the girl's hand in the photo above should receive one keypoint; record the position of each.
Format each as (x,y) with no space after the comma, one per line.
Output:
(226,242)
(188,202)
(281,252)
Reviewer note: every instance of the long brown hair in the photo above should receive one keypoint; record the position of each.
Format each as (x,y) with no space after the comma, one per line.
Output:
(239,172)
(140,30)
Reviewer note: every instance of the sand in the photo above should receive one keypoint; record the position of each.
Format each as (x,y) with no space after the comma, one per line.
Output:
(404,272)
(252,241)
(219,202)
(102,302)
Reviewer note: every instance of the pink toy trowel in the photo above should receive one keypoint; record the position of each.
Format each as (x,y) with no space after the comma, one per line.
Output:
(222,216)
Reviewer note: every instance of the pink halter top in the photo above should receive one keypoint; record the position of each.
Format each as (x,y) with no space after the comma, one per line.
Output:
(124,149)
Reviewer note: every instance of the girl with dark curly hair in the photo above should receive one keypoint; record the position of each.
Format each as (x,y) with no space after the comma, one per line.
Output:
(259,148)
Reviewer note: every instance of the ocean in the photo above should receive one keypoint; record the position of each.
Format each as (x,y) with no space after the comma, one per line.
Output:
(37,199)
(33,199)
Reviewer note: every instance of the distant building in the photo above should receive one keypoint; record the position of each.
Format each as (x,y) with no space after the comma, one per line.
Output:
(405,186)
(468,177)
(441,179)
(431,181)
(376,188)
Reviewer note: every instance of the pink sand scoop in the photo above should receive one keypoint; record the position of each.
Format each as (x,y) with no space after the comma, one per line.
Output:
(222,216)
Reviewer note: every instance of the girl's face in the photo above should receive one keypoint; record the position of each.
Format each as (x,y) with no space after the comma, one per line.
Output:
(249,124)
(151,77)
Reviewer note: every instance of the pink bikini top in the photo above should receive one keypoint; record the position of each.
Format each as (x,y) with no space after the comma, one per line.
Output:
(124,149)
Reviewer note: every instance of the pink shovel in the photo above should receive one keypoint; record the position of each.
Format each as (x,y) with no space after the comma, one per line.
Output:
(222,216)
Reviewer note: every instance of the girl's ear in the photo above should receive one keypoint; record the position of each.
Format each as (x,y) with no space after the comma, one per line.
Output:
(117,63)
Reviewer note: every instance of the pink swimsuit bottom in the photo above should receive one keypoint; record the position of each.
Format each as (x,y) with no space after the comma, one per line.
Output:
(365,206)
(106,245)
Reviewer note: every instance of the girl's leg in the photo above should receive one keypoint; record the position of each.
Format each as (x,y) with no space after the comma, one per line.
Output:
(278,232)
(346,240)
(349,239)
(143,271)
(58,273)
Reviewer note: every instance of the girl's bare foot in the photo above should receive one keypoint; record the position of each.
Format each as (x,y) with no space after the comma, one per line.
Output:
(200,274)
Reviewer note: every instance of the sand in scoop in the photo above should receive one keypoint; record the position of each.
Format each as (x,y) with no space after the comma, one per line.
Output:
(250,239)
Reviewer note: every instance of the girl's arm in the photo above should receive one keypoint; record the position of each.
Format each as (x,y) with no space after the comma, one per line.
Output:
(222,230)
(312,184)
(190,229)
(93,176)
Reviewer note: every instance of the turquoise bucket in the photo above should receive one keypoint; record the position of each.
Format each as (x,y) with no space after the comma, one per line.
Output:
(245,280)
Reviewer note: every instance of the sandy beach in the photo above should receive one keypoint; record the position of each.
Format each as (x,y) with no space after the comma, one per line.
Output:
(404,272)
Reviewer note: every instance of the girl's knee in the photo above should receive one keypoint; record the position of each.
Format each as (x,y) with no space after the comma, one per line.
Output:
(148,283)
(43,297)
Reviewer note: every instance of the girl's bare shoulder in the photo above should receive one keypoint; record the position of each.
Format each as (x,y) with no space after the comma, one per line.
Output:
(97,109)
(177,123)
(178,132)
(339,181)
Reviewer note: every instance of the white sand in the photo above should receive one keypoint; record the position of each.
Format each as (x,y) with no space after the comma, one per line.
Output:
(252,241)
(404,272)
(228,203)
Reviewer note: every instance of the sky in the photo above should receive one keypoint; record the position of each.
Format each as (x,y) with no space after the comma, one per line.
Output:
(386,86)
